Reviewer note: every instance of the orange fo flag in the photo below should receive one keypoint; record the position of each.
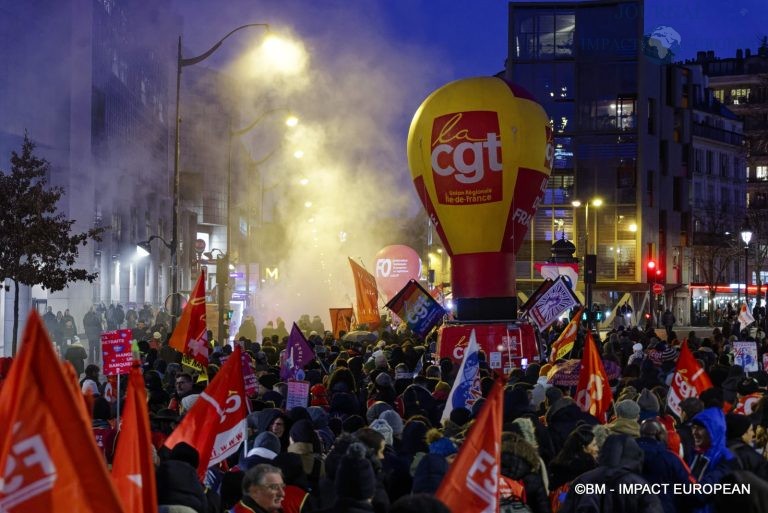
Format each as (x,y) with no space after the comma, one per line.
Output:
(689,380)
(367,296)
(341,320)
(472,481)
(48,453)
(593,393)
(190,337)
(133,470)
(564,343)
(216,425)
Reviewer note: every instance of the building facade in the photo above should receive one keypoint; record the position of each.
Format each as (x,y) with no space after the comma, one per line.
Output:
(88,80)
(619,136)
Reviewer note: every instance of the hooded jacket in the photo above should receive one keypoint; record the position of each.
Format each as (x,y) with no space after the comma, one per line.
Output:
(711,465)
(620,462)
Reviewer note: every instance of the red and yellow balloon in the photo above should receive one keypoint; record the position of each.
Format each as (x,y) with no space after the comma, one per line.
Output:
(480,152)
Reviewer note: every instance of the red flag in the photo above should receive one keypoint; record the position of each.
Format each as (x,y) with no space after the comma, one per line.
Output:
(215,425)
(367,296)
(472,481)
(689,380)
(564,343)
(191,334)
(133,471)
(593,393)
(48,454)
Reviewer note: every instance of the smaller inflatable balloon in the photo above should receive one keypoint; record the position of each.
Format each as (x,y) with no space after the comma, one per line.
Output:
(395,266)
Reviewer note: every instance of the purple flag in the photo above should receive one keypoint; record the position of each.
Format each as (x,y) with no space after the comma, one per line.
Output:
(297,355)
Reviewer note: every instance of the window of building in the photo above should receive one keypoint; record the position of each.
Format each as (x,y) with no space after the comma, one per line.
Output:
(710,161)
(544,34)
(761,172)
(724,166)
(719,95)
(740,95)
(698,160)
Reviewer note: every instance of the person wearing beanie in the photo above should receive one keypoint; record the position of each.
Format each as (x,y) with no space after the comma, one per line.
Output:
(395,421)
(177,482)
(433,466)
(266,447)
(375,410)
(626,421)
(649,405)
(352,423)
(521,465)
(381,426)
(305,442)
(355,483)
(320,423)
(740,433)
(637,355)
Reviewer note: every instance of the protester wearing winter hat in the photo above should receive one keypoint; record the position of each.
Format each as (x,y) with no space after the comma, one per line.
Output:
(376,409)
(383,427)
(649,405)
(740,434)
(177,482)
(626,421)
(266,447)
(748,393)
(432,467)
(521,464)
(637,355)
(305,442)
(395,421)
(355,483)
(320,422)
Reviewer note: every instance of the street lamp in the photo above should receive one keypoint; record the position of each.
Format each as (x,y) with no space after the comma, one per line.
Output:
(746,236)
(590,259)
(174,245)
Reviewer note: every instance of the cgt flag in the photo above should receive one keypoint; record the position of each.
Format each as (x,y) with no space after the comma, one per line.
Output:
(564,343)
(367,296)
(690,380)
(417,308)
(472,481)
(466,387)
(593,392)
(133,471)
(191,334)
(297,355)
(215,425)
(48,455)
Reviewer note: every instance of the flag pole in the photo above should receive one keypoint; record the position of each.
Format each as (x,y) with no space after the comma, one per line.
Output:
(117,424)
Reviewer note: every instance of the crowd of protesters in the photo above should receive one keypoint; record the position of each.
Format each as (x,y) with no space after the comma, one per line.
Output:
(371,438)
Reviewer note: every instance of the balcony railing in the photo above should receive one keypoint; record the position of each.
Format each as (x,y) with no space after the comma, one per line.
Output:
(718,134)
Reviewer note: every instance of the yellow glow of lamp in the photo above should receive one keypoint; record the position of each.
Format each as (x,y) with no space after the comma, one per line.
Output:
(480,152)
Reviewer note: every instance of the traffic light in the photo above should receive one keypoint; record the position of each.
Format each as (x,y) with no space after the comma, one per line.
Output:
(660,274)
(222,271)
(651,271)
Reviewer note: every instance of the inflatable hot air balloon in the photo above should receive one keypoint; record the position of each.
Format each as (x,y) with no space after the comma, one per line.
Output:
(395,266)
(480,152)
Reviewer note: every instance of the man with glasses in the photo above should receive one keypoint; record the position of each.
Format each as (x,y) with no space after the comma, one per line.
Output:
(184,386)
(263,490)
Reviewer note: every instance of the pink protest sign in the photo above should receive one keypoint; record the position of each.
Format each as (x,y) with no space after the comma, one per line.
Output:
(116,352)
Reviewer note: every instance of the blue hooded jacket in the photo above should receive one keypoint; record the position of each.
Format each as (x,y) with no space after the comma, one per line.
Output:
(721,459)
(713,420)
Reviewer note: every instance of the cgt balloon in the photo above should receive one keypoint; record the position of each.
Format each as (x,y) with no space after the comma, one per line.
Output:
(480,152)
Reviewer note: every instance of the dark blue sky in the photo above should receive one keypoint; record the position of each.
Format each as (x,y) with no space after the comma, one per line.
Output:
(466,38)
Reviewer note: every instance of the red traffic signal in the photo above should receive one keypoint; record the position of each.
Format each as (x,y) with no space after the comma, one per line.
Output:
(652,271)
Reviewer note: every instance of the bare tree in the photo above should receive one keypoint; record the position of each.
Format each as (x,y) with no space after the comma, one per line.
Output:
(713,251)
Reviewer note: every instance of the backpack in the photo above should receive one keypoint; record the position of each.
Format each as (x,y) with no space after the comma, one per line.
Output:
(512,498)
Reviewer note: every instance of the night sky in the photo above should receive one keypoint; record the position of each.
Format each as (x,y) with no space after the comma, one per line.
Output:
(467,38)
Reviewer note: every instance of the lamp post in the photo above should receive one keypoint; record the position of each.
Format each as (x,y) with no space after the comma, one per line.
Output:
(590,259)
(746,236)
(222,281)
(291,121)
(181,62)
